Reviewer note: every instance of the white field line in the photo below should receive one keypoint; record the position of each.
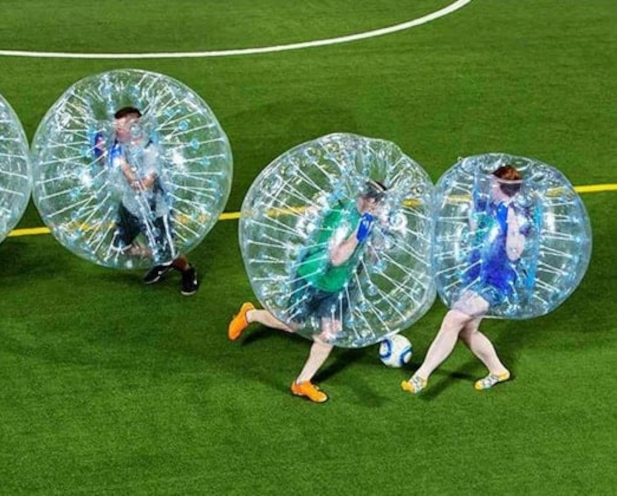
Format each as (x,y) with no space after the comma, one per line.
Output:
(458,4)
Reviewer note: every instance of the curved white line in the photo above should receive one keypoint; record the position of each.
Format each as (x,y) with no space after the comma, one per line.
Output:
(458,4)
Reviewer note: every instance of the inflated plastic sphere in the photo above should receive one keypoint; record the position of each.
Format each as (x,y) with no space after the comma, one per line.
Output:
(14,169)
(304,204)
(521,275)
(134,191)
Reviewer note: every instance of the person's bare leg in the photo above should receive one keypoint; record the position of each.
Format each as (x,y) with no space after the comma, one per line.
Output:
(303,386)
(181,263)
(318,354)
(320,349)
(264,317)
(484,350)
(482,347)
(247,314)
(443,344)
(454,322)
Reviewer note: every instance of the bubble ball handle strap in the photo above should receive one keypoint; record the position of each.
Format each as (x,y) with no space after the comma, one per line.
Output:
(364,227)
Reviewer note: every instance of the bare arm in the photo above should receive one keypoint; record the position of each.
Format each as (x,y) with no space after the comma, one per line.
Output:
(339,254)
(134,180)
(515,240)
(99,149)
(148,181)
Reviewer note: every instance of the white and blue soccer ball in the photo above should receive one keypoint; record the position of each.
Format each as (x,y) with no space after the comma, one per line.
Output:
(395,351)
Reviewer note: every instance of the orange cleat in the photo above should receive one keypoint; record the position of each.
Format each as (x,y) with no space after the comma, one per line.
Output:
(239,323)
(309,390)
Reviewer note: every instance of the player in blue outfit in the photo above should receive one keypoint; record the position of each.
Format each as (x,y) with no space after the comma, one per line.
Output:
(144,209)
(499,242)
(492,273)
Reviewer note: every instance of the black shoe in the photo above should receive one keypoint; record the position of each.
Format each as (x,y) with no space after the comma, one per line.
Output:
(189,281)
(156,272)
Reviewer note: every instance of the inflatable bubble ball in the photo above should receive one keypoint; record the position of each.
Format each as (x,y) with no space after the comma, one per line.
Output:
(130,168)
(336,239)
(14,169)
(511,230)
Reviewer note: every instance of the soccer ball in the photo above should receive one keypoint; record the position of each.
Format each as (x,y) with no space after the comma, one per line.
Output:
(395,351)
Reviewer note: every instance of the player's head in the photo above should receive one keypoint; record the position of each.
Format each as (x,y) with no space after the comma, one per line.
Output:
(124,120)
(374,190)
(508,179)
(372,196)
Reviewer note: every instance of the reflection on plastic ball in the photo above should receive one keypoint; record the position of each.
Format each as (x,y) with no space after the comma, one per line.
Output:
(14,169)
(130,194)
(524,256)
(309,200)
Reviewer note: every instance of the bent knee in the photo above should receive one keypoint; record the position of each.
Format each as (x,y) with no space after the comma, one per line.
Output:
(457,319)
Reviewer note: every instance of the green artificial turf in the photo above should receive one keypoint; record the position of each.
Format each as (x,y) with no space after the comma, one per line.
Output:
(108,386)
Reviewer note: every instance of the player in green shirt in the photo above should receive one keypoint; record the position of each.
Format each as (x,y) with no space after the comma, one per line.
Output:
(322,281)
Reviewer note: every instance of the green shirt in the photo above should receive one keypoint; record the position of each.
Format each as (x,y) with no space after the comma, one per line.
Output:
(316,267)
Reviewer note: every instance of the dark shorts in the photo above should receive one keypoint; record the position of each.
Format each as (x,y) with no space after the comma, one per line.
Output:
(158,233)
(307,301)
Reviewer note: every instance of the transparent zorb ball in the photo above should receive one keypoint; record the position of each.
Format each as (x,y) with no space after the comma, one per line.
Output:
(470,237)
(306,202)
(14,169)
(171,170)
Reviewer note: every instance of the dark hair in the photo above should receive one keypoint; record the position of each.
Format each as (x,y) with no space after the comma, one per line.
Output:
(509,178)
(374,190)
(126,111)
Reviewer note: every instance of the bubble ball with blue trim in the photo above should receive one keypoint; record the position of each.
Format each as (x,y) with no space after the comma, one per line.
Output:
(14,169)
(522,243)
(130,168)
(335,236)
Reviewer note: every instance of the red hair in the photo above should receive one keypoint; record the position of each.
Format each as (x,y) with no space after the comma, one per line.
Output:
(510,179)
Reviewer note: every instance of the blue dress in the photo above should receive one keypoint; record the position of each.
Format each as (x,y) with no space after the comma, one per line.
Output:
(490,273)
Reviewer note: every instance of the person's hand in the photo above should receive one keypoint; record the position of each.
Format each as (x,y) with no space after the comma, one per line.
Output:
(137,185)
(364,227)
(116,152)
(99,145)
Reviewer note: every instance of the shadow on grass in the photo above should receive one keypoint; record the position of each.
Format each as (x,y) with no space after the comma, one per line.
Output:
(338,361)
(513,337)
(23,259)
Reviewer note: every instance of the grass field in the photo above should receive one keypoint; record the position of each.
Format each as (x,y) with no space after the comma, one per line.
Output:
(111,387)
